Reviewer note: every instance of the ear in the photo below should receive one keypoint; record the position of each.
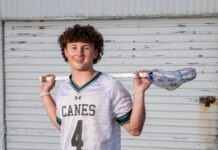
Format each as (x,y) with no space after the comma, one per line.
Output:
(95,54)
(65,51)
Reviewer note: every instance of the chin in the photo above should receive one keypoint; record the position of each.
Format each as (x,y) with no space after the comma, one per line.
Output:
(80,68)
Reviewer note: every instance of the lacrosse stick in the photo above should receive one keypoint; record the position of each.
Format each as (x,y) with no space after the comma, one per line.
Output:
(169,80)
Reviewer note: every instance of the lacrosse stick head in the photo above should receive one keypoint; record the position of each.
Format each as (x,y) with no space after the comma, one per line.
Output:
(171,80)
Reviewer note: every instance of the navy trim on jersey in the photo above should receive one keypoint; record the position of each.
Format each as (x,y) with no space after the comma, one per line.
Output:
(125,118)
(78,88)
(58,120)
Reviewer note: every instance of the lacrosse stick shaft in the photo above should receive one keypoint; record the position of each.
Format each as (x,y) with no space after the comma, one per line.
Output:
(115,75)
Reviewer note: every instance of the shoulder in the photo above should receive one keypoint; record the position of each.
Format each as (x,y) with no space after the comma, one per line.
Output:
(108,80)
(64,83)
(110,83)
(62,86)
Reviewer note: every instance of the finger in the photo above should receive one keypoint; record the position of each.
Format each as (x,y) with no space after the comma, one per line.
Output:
(143,70)
(148,80)
(51,76)
(136,74)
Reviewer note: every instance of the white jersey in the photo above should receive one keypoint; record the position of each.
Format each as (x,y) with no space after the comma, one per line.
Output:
(91,115)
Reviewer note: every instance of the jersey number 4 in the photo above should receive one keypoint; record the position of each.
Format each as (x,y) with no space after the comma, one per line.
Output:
(77,136)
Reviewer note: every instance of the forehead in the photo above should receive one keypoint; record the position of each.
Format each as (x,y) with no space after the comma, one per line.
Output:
(79,44)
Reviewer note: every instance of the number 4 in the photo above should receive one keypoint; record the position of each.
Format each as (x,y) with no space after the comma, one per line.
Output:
(77,136)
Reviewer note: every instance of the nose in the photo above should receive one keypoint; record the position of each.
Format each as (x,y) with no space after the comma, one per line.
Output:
(80,51)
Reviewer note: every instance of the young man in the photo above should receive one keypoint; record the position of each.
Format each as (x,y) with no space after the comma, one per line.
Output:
(90,107)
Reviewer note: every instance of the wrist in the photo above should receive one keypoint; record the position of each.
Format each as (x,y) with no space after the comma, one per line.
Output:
(139,91)
(138,95)
(44,90)
(42,94)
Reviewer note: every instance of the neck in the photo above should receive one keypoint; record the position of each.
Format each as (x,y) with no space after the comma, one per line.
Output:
(81,77)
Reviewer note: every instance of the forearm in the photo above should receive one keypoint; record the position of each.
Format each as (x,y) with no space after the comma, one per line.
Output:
(138,114)
(50,107)
(137,118)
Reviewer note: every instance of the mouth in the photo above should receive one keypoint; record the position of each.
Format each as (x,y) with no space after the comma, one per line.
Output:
(79,60)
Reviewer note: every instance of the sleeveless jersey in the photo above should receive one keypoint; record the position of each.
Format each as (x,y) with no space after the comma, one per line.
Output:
(90,115)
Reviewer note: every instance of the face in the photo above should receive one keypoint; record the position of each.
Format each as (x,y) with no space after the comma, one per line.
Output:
(80,55)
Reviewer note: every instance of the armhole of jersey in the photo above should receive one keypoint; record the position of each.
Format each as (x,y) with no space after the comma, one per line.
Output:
(124,119)
(58,120)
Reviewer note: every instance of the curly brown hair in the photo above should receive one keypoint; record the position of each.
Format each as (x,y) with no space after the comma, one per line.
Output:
(79,33)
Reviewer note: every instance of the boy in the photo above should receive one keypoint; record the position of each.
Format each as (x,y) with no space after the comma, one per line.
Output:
(90,106)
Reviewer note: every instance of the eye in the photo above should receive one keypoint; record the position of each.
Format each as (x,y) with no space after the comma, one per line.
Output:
(73,47)
(87,48)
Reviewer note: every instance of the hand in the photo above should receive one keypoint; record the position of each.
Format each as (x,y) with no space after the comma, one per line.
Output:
(141,84)
(48,86)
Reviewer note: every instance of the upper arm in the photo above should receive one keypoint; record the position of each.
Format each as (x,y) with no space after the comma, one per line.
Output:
(121,102)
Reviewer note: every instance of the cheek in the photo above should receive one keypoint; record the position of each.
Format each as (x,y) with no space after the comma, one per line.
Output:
(68,54)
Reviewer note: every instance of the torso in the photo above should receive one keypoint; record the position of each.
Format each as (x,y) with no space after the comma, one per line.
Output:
(88,119)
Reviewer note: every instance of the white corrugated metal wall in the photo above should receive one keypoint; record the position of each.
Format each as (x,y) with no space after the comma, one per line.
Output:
(74,9)
(175,119)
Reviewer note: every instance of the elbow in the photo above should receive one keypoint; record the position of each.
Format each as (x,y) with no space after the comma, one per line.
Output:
(136,132)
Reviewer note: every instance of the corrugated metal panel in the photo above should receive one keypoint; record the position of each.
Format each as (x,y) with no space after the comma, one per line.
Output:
(175,119)
(72,9)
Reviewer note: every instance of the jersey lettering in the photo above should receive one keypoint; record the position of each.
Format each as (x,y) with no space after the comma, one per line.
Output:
(78,110)
(77,136)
